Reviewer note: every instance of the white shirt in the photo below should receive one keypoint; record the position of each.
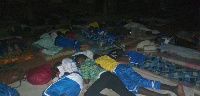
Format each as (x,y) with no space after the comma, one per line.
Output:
(67,66)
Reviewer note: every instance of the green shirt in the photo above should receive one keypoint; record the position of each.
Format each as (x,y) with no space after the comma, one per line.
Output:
(90,70)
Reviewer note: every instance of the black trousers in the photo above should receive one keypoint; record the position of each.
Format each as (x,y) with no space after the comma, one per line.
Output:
(108,80)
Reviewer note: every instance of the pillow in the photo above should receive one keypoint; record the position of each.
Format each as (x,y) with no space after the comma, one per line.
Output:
(45,42)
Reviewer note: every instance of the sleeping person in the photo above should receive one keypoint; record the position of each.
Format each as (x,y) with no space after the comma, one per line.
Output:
(70,82)
(90,71)
(133,81)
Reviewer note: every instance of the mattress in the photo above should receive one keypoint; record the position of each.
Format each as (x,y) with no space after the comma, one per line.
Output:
(63,52)
(26,56)
(164,68)
(189,91)
(186,62)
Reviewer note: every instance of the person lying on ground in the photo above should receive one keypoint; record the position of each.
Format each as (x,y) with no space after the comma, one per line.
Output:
(101,78)
(134,81)
(69,83)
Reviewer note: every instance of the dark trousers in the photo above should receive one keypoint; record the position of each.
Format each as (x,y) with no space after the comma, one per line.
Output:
(108,80)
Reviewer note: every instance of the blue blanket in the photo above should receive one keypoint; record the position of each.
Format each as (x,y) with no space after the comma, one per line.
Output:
(7,90)
(165,68)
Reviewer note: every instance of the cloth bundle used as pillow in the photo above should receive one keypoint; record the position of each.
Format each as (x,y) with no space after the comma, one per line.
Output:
(67,66)
(87,53)
(147,46)
(47,42)
(62,41)
(39,75)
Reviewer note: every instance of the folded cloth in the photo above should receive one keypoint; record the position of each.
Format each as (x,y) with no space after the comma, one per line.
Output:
(62,41)
(87,53)
(150,48)
(47,42)
(51,51)
(144,43)
(181,51)
(67,66)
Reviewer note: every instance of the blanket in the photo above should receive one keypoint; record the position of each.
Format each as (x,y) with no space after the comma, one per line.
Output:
(157,65)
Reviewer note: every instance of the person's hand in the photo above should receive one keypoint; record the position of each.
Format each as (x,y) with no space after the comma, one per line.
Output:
(66,73)
(87,81)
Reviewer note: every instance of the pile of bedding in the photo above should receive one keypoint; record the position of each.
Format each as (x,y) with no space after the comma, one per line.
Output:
(12,49)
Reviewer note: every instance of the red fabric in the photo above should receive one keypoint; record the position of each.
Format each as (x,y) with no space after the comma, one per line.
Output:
(70,35)
(39,75)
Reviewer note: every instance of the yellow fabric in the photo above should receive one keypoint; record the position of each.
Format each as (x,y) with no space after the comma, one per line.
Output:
(106,62)
(64,30)
(189,40)
(94,24)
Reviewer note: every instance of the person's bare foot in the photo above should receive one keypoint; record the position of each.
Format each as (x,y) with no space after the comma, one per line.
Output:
(179,91)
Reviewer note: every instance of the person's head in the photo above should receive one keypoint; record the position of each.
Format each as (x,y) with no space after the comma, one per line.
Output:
(96,56)
(80,59)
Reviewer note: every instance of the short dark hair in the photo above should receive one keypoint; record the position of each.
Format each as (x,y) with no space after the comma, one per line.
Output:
(80,59)
(80,56)
(96,56)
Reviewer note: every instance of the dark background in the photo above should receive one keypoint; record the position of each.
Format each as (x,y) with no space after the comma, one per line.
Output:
(183,14)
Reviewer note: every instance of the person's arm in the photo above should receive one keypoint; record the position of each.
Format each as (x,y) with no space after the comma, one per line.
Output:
(85,74)
(86,81)
(124,59)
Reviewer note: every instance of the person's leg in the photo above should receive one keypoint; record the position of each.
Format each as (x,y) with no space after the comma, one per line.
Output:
(132,81)
(147,92)
(98,86)
(134,88)
(116,85)
(126,73)
(124,59)
(178,90)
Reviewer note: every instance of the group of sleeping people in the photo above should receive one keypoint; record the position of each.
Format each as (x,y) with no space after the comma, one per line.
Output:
(104,72)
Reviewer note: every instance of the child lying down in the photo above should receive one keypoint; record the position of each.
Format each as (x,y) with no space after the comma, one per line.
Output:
(70,83)
(102,79)
(133,81)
